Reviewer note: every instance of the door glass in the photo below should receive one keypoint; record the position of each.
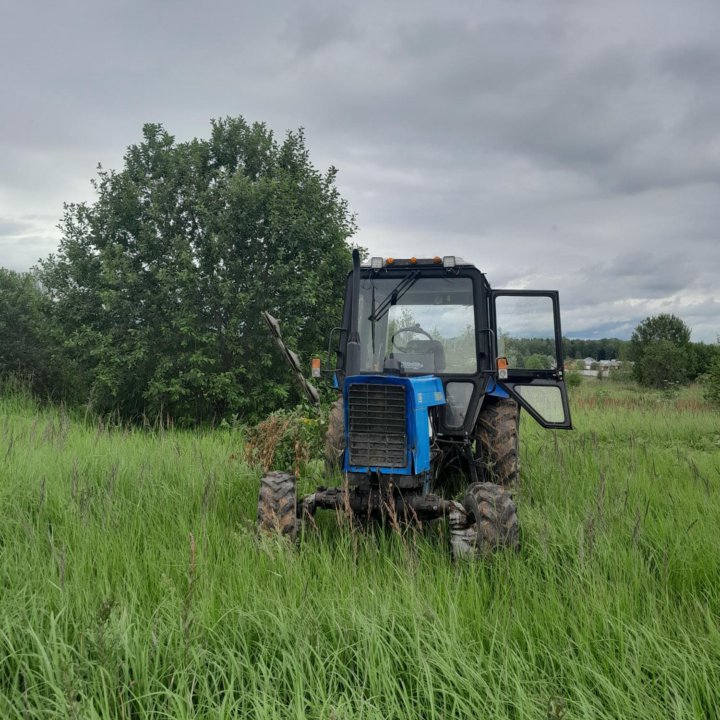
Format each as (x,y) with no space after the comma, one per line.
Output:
(546,400)
(526,331)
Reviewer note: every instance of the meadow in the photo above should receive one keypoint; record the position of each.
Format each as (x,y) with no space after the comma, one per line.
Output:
(133,585)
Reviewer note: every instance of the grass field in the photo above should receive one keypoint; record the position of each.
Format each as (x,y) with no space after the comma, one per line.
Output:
(133,585)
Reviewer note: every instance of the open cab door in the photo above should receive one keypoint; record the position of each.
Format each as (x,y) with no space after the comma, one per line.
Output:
(529,337)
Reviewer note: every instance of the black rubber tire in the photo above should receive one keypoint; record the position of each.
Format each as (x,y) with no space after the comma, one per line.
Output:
(335,436)
(497,435)
(277,504)
(493,511)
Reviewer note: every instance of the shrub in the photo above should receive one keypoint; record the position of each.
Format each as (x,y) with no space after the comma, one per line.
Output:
(663,363)
(573,378)
(623,374)
(712,383)
(660,346)
(287,439)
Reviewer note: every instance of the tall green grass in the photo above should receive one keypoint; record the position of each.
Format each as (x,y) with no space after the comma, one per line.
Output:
(133,585)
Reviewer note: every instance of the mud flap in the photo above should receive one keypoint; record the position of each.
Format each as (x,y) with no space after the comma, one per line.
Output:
(291,358)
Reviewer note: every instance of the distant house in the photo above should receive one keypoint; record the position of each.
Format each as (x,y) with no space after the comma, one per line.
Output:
(600,368)
(595,368)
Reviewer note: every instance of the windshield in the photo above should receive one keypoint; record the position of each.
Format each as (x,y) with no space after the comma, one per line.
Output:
(429,329)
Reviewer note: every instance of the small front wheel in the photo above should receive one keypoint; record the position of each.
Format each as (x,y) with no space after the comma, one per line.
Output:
(277,504)
(493,518)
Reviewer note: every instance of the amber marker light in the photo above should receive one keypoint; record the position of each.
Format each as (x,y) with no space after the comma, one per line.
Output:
(413,260)
(390,261)
(437,259)
(502,366)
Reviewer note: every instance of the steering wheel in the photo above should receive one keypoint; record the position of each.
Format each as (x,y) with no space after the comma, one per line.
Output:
(411,328)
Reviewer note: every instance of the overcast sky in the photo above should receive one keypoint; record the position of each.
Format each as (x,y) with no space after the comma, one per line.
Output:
(556,144)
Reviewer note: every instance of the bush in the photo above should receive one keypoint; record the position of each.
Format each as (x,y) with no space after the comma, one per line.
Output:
(573,378)
(31,349)
(662,364)
(712,383)
(537,362)
(287,439)
(622,374)
(661,349)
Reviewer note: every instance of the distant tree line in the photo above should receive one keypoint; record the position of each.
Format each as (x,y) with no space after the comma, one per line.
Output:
(572,348)
(660,350)
(539,353)
(602,349)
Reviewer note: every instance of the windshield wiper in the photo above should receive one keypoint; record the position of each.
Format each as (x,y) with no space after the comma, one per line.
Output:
(397,292)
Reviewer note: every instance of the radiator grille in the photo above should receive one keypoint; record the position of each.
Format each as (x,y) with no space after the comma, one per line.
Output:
(377,425)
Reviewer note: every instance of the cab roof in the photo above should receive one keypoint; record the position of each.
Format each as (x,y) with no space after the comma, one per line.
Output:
(448,261)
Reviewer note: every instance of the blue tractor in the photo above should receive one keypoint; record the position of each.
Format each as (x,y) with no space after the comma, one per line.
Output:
(433,367)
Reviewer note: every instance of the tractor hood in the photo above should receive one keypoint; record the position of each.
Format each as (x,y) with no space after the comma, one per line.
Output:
(387,427)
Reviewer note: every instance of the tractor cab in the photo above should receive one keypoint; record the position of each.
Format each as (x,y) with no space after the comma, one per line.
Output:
(439,316)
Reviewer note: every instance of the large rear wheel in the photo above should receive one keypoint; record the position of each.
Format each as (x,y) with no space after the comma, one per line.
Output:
(497,435)
(277,504)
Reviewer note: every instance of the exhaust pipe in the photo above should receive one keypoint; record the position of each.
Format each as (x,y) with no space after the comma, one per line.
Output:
(352,366)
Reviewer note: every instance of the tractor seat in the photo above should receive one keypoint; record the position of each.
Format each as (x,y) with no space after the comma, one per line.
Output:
(432,348)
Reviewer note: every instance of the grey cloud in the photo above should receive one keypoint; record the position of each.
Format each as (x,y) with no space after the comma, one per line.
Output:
(11,228)
(697,65)
(649,274)
(20,254)
(517,88)
(606,330)
(314,30)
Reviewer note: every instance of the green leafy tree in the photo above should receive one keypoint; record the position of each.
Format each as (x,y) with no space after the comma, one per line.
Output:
(660,347)
(663,365)
(159,284)
(29,345)
(704,356)
(660,327)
